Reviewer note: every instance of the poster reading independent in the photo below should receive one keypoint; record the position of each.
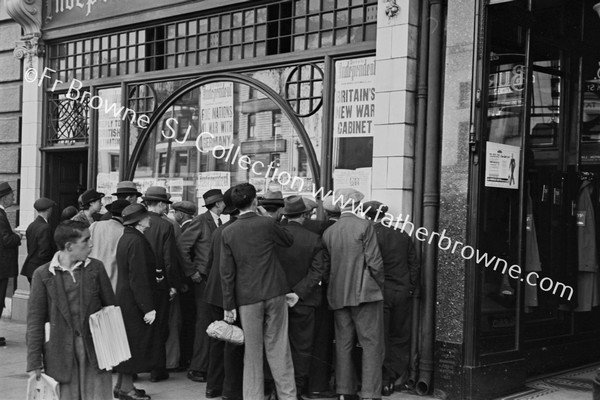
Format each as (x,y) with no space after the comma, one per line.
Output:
(354,106)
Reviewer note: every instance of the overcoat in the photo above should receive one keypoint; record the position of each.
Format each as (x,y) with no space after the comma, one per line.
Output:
(48,303)
(161,236)
(352,256)
(9,253)
(40,246)
(136,286)
(213,293)
(303,264)
(105,238)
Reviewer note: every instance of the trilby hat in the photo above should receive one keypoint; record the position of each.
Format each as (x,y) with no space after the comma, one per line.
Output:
(126,187)
(294,205)
(212,196)
(5,189)
(133,213)
(157,193)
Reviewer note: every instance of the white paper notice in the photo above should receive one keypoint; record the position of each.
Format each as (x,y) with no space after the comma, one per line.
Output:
(502,165)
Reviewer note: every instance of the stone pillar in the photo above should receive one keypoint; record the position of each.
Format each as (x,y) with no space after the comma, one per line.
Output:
(29,49)
(395,85)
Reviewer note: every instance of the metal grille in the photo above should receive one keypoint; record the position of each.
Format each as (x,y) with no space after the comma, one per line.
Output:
(304,89)
(258,31)
(68,121)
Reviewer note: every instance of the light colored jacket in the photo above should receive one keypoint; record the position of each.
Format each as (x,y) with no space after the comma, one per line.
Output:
(354,262)
(105,238)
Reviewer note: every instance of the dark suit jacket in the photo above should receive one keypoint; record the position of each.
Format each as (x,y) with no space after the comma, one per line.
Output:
(48,303)
(9,253)
(162,240)
(214,292)
(315,225)
(400,263)
(194,244)
(250,270)
(40,246)
(303,264)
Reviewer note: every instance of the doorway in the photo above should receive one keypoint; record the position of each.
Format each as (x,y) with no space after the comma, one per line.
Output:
(66,178)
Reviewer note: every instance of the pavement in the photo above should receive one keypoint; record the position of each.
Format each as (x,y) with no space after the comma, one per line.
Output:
(567,385)
(13,377)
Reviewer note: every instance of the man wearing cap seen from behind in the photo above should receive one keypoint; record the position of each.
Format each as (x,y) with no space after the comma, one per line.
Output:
(105,237)
(126,190)
(40,244)
(9,243)
(355,295)
(91,203)
(184,212)
(194,247)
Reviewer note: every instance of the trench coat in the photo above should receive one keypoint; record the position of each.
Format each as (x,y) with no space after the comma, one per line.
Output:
(48,303)
(136,288)
(354,262)
(9,249)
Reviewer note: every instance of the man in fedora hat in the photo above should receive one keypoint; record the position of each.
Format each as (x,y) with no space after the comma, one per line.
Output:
(194,247)
(272,202)
(302,263)
(9,243)
(126,190)
(161,236)
(355,295)
(40,243)
(91,203)
(402,274)
(105,238)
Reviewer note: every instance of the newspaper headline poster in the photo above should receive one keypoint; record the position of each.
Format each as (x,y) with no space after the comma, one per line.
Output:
(212,180)
(502,165)
(109,125)
(216,114)
(359,179)
(354,105)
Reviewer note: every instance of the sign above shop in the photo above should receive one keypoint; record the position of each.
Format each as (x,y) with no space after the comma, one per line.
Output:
(61,13)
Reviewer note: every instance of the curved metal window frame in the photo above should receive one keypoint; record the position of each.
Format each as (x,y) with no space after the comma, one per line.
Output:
(235,78)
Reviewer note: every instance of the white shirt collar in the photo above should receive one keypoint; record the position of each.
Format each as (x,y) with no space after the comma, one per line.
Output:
(55,264)
(215,217)
(246,212)
(2,207)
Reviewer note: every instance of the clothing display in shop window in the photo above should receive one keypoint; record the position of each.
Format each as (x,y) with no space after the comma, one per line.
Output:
(587,278)
(532,255)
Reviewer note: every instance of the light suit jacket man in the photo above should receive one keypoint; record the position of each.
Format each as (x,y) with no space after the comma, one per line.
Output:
(353,257)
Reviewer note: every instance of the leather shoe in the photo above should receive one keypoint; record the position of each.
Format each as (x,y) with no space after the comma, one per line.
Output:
(322,395)
(387,390)
(117,391)
(132,395)
(158,378)
(210,393)
(196,376)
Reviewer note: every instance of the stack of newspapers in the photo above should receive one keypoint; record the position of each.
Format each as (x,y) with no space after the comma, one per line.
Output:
(110,338)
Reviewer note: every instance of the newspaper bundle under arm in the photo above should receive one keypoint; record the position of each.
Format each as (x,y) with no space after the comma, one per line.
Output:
(110,338)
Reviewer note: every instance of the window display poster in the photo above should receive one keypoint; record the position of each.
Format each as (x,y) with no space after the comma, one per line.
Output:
(107,183)
(354,100)
(359,179)
(502,166)
(109,124)
(212,180)
(216,114)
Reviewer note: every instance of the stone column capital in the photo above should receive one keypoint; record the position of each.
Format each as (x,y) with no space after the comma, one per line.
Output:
(27,49)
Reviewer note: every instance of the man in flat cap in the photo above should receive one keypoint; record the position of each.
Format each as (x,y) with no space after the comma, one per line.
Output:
(105,239)
(194,247)
(355,295)
(40,243)
(272,202)
(184,211)
(402,272)
(126,190)
(91,203)
(9,243)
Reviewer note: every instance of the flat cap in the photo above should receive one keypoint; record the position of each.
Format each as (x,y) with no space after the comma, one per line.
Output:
(329,206)
(310,203)
(185,206)
(43,203)
(348,196)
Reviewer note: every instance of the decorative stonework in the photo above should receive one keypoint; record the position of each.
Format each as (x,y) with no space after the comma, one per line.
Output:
(28,14)
(27,49)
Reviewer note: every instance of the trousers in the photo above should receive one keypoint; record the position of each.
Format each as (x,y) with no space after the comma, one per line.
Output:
(265,327)
(397,323)
(199,360)
(301,335)
(364,322)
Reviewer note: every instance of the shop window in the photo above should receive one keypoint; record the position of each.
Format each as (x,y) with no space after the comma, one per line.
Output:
(302,162)
(254,31)
(181,162)
(304,89)
(251,125)
(163,167)
(277,123)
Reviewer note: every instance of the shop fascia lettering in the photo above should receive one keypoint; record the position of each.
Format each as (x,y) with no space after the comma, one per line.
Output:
(61,6)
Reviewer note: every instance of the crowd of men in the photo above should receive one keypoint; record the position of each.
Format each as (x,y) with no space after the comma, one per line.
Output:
(293,283)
